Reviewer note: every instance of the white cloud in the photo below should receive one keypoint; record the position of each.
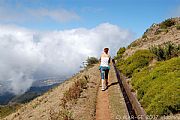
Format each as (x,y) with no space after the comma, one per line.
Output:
(18,15)
(28,55)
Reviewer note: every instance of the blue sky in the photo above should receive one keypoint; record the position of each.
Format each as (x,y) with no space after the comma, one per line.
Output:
(51,38)
(133,15)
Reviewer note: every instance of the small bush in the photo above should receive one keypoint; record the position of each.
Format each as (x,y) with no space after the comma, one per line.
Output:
(158,87)
(83,83)
(74,92)
(157,32)
(61,115)
(144,36)
(167,23)
(139,59)
(165,30)
(166,51)
(133,44)
(92,60)
(178,26)
(120,53)
(161,30)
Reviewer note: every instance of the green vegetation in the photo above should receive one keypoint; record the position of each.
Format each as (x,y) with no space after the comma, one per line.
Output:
(120,53)
(138,60)
(144,36)
(167,23)
(163,27)
(133,44)
(91,61)
(178,26)
(7,109)
(157,32)
(61,115)
(161,30)
(166,51)
(158,87)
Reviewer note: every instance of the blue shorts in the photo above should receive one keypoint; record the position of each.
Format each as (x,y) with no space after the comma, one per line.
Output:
(104,72)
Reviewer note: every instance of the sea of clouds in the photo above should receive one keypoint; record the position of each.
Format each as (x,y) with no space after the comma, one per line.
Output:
(28,55)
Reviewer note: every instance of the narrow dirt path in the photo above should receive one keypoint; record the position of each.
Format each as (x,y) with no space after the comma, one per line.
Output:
(102,107)
(111,103)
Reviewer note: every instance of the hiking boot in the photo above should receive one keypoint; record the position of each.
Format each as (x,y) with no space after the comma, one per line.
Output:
(104,88)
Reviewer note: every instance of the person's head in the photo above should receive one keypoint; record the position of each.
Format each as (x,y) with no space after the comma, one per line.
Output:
(106,50)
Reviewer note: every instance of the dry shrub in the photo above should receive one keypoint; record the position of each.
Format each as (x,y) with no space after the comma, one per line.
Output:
(63,114)
(73,93)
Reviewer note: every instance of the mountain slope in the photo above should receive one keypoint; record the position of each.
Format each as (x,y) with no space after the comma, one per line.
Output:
(48,105)
(157,34)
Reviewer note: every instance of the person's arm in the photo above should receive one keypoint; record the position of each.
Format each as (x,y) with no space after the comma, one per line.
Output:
(100,63)
(109,59)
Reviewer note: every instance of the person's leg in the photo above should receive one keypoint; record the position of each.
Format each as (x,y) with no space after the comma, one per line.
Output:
(103,78)
(106,76)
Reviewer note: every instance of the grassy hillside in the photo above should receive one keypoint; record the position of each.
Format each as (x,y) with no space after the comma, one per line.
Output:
(158,87)
(152,64)
(137,61)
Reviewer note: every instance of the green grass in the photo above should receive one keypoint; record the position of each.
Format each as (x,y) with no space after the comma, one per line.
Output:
(134,44)
(158,87)
(120,53)
(6,110)
(140,59)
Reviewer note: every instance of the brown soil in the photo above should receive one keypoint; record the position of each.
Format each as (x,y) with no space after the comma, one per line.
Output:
(102,107)
(110,103)
(85,107)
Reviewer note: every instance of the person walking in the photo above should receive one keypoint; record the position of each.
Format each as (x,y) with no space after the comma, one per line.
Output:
(104,68)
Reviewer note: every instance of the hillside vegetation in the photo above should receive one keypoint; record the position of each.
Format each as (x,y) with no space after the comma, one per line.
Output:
(152,64)
(8,109)
(135,62)
(158,87)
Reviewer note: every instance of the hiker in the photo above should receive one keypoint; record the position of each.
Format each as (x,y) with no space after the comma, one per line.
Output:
(104,68)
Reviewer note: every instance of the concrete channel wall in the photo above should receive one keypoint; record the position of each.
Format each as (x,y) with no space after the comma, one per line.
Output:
(136,112)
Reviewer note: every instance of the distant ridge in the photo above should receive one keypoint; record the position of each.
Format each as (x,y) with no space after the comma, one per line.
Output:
(157,34)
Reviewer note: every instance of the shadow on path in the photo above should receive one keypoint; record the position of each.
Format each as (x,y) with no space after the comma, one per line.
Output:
(114,83)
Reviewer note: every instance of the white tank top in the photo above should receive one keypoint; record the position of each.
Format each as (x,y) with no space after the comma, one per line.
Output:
(105,60)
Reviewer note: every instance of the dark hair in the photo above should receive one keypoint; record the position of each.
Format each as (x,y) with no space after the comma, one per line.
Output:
(106,50)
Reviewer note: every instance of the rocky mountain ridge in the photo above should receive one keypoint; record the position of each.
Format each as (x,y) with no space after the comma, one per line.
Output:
(157,34)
